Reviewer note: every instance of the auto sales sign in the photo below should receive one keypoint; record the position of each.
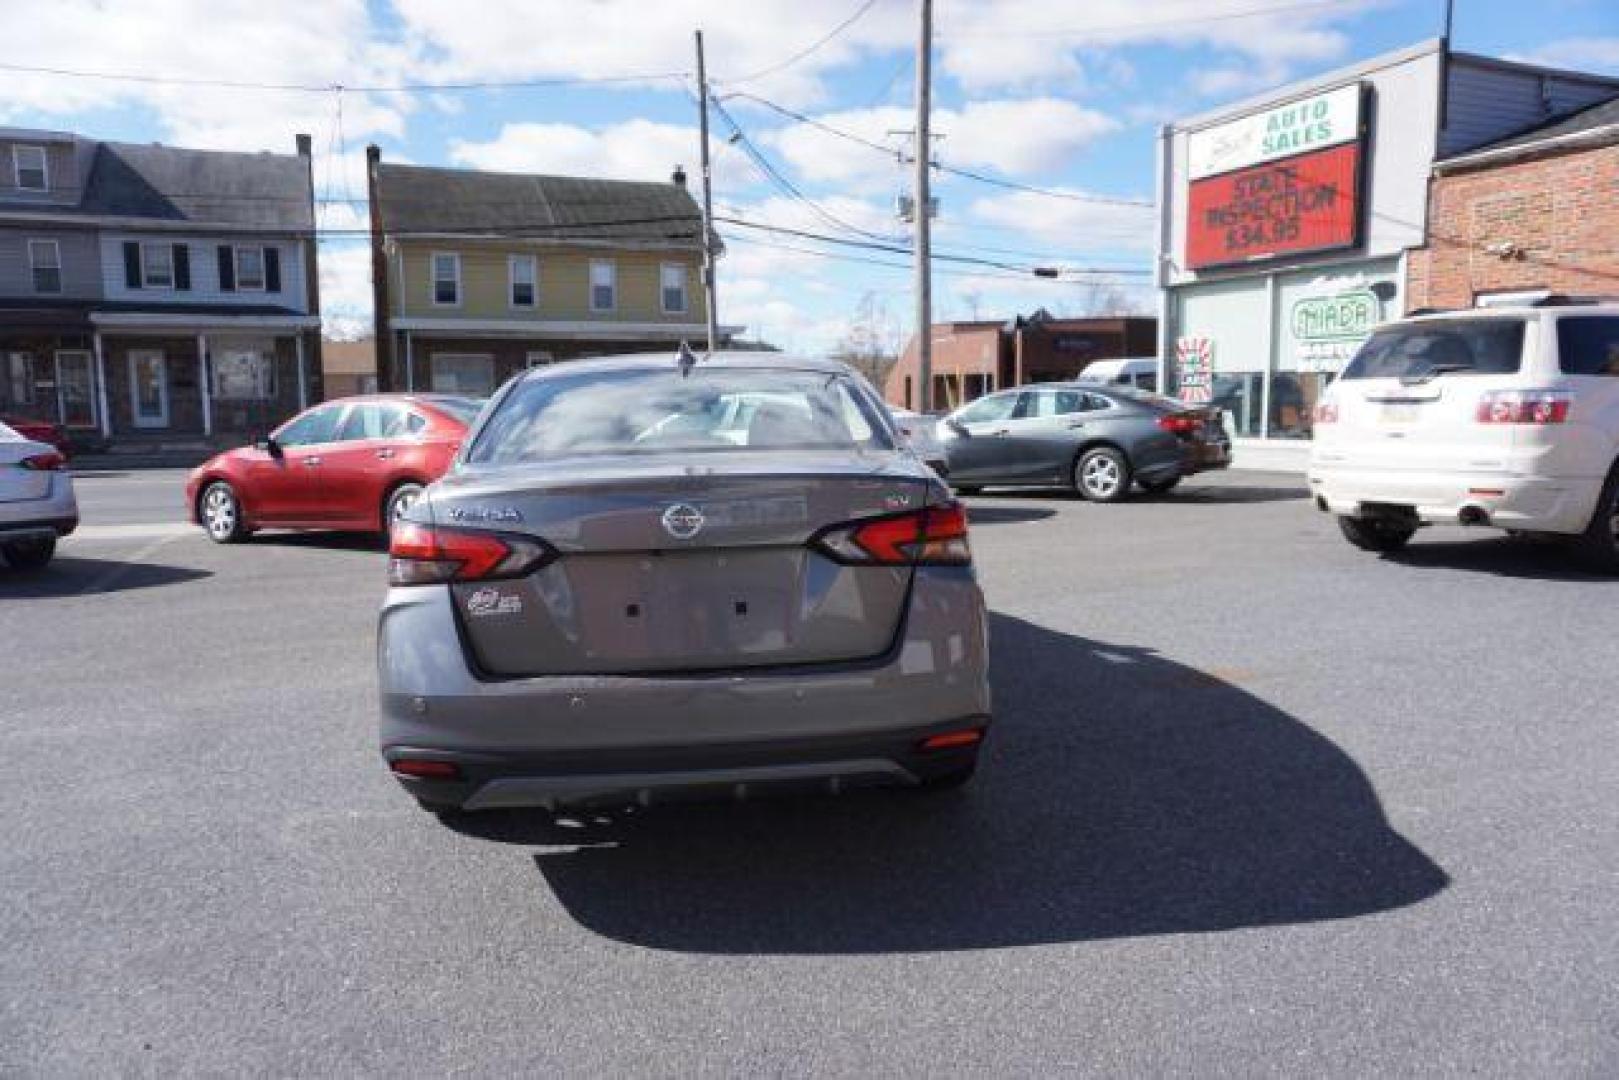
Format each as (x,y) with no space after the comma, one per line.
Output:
(1279,182)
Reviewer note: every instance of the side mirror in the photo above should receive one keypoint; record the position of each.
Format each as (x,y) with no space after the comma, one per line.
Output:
(268,444)
(957,428)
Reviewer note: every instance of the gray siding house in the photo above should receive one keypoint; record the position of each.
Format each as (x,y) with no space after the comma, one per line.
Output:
(151,294)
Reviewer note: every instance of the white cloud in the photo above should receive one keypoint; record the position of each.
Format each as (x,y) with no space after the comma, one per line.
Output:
(632,150)
(345,284)
(1071,224)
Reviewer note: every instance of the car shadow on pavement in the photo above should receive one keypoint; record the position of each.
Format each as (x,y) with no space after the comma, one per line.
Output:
(325,541)
(1546,560)
(1121,795)
(68,575)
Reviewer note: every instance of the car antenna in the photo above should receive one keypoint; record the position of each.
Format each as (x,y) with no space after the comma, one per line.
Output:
(685,359)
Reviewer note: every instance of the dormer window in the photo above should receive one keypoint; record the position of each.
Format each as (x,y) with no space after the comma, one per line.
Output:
(29,168)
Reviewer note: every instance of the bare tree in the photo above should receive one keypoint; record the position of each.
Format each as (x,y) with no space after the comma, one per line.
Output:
(871,343)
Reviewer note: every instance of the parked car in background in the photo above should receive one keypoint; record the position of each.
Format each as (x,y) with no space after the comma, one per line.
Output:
(1140,373)
(1506,417)
(41,431)
(613,599)
(1097,439)
(350,464)
(922,432)
(37,505)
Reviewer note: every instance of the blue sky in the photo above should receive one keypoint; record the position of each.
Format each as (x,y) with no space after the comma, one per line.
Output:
(1064,97)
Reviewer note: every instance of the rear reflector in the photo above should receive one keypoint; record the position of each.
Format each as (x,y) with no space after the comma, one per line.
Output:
(430,555)
(934,536)
(47,462)
(423,769)
(952,739)
(1524,407)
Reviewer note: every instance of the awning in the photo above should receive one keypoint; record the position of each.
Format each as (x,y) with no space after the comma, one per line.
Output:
(195,322)
(578,330)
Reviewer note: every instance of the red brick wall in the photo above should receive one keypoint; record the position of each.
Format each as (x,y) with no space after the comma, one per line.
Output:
(959,351)
(1561,212)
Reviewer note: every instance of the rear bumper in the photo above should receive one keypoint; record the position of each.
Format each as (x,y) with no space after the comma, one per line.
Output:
(677,773)
(541,729)
(1506,500)
(48,528)
(56,513)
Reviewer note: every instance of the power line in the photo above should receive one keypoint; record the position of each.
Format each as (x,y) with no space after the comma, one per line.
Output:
(802,53)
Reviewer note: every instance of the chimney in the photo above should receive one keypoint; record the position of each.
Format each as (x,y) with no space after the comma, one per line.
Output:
(679,176)
(305,145)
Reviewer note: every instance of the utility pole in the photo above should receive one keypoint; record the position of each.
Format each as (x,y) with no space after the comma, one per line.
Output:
(709,289)
(924,155)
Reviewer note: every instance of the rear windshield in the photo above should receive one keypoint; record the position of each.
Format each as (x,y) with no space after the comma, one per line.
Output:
(657,412)
(1449,347)
(459,408)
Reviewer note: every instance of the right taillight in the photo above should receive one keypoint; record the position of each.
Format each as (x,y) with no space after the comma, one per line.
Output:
(1524,407)
(933,536)
(1326,413)
(429,555)
(50,461)
(1181,423)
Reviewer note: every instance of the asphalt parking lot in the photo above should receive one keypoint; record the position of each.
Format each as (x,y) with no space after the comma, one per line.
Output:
(1256,803)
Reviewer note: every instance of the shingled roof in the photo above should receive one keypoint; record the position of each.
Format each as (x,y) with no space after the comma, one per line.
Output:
(419,199)
(255,191)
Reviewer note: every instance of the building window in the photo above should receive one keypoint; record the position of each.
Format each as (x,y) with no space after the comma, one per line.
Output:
(524,273)
(672,283)
(20,377)
(472,374)
(28,164)
(250,269)
(446,279)
(157,266)
(46,259)
(537,358)
(244,373)
(603,285)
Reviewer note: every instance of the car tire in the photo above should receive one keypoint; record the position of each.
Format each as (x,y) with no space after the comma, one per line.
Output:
(1102,474)
(398,500)
(1598,546)
(1379,536)
(29,554)
(1159,487)
(220,512)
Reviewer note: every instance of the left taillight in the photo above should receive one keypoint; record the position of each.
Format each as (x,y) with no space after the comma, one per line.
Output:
(933,536)
(51,461)
(429,555)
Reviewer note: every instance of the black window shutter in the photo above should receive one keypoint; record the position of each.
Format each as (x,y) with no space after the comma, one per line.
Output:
(182,266)
(272,269)
(132,264)
(227,268)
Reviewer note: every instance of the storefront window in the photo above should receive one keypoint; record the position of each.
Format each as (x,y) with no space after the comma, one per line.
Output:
(1238,396)
(243,375)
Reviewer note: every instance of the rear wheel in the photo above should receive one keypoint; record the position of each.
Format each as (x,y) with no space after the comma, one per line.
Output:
(1159,487)
(221,513)
(1372,535)
(29,554)
(1598,546)
(399,500)
(1102,474)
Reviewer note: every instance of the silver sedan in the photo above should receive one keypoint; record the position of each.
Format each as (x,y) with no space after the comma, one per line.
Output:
(36,500)
(648,578)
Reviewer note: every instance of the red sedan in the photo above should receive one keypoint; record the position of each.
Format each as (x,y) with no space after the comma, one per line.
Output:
(353,464)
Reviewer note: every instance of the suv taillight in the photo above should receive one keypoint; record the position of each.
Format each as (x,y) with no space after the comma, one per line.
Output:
(1326,413)
(934,536)
(428,555)
(47,462)
(1524,407)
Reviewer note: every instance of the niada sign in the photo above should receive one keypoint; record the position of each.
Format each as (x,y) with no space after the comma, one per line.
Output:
(1312,123)
(1328,330)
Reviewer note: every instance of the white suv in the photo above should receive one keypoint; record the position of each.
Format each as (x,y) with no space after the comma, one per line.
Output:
(1505,417)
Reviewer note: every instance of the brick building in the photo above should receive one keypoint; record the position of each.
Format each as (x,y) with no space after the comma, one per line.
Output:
(970,359)
(1531,214)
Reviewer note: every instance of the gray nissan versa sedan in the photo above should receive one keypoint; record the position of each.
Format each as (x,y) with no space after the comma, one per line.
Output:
(650,577)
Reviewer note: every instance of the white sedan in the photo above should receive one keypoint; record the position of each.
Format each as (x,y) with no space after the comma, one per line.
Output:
(922,433)
(36,500)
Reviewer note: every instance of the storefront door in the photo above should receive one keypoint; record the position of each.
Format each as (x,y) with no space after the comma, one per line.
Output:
(75,390)
(149,388)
